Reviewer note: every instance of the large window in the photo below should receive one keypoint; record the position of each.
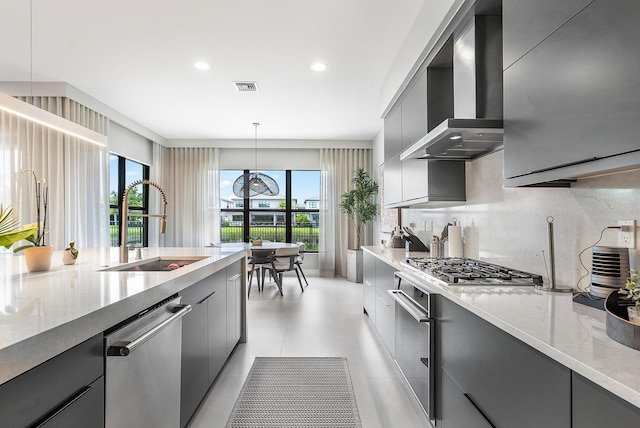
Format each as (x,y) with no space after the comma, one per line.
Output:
(291,216)
(123,172)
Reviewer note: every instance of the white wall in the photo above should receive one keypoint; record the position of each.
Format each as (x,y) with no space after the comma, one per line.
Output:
(508,225)
(270,159)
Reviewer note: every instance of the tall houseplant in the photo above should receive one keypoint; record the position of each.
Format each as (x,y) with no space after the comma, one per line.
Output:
(360,206)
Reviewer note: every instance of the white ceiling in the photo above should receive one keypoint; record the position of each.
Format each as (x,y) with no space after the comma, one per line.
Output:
(137,57)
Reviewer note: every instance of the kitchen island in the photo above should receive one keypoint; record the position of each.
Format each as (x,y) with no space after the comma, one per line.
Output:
(568,333)
(46,313)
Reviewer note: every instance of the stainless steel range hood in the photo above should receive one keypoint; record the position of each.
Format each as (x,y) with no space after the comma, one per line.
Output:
(458,139)
(476,128)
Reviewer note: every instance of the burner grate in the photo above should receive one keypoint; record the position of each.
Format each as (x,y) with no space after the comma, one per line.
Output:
(470,272)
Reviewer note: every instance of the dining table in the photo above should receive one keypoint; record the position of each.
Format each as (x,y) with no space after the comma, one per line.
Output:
(260,255)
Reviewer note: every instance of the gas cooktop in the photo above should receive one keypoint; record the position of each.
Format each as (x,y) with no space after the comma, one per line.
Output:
(463,271)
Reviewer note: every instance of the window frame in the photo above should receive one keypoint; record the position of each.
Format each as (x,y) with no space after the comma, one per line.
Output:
(133,210)
(289,211)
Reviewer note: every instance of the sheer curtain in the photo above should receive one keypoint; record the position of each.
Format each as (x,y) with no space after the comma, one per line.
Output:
(338,235)
(75,173)
(190,178)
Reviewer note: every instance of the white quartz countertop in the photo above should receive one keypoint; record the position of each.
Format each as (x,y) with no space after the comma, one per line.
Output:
(45,313)
(571,333)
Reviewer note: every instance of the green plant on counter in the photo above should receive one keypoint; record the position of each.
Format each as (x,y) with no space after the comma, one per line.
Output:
(255,238)
(10,232)
(631,290)
(72,249)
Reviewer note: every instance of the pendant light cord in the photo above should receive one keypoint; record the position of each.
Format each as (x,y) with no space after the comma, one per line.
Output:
(255,125)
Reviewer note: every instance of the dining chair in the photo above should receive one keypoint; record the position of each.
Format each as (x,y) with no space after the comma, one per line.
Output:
(300,259)
(261,261)
(285,261)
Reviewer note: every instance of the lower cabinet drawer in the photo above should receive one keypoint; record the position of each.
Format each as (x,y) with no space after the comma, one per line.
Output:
(385,322)
(84,409)
(458,409)
(54,387)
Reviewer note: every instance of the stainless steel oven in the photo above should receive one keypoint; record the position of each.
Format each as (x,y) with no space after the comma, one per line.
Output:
(414,346)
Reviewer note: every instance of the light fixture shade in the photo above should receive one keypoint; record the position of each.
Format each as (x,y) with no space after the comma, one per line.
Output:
(259,184)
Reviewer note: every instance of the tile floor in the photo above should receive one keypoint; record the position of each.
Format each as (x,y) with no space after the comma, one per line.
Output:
(326,320)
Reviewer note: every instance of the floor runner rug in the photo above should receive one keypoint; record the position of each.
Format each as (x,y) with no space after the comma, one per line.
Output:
(288,392)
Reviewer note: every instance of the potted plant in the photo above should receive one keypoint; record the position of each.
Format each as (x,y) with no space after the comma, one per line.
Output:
(10,232)
(360,206)
(631,292)
(70,254)
(36,253)
(256,240)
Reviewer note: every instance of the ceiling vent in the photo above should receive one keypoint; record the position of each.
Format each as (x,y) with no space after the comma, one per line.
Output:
(246,86)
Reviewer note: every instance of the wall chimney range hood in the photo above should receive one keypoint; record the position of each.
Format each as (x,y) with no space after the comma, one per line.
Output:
(476,128)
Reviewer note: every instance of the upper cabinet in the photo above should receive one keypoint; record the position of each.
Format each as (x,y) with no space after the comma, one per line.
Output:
(393,133)
(526,23)
(414,111)
(571,104)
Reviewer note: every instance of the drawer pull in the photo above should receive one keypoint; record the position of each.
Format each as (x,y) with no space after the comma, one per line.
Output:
(468,397)
(414,309)
(75,397)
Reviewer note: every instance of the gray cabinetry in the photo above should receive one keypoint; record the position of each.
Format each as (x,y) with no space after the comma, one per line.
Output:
(392,188)
(457,408)
(385,306)
(573,99)
(195,349)
(414,111)
(234,305)
(594,407)
(393,133)
(66,391)
(499,375)
(204,340)
(526,23)
(368,285)
(217,325)
(422,181)
(378,277)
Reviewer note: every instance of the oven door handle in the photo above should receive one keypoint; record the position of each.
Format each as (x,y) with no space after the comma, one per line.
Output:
(411,306)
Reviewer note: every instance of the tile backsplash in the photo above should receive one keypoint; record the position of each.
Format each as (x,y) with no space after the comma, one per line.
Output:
(509,225)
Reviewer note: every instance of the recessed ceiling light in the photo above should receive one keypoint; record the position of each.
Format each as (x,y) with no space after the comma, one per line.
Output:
(201,65)
(318,66)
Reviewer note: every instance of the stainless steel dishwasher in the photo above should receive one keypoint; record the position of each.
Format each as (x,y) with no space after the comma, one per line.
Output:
(142,368)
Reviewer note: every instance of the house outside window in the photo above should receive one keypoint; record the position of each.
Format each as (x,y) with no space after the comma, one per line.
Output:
(290,216)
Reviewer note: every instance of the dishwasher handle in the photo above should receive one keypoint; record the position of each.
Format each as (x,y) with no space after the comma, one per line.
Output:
(124,349)
(414,309)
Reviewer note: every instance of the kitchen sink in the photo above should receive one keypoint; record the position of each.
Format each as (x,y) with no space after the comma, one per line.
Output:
(156,264)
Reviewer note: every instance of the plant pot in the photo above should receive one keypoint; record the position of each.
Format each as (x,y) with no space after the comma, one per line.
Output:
(619,328)
(633,313)
(256,242)
(354,265)
(67,258)
(38,258)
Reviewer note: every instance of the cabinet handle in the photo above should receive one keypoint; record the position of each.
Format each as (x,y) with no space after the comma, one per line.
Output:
(206,298)
(234,277)
(123,351)
(78,395)
(414,309)
(468,397)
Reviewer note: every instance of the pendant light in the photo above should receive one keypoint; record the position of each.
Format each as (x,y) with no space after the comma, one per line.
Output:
(32,113)
(257,183)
